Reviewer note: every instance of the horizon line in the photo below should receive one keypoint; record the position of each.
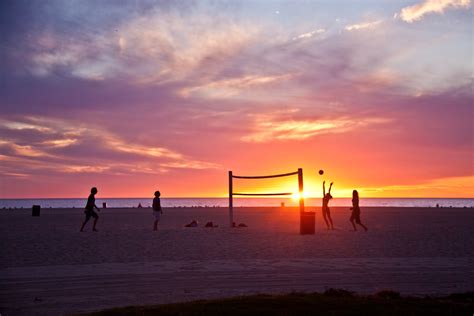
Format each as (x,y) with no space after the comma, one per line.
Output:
(225,197)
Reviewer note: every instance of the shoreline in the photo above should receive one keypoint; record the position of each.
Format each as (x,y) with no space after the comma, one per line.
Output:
(238,202)
(307,207)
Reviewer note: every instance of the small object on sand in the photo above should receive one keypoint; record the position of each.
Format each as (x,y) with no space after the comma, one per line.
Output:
(211,225)
(238,226)
(37,299)
(139,205)
(321,172)
(36,210)
(194,223)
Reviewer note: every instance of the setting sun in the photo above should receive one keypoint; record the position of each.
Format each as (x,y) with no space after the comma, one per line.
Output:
(296,196)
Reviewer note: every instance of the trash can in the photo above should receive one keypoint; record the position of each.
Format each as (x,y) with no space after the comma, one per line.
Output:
(36,210)
(307,223)
(104,204)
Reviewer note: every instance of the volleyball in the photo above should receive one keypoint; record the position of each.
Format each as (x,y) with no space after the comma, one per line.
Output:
(321,172)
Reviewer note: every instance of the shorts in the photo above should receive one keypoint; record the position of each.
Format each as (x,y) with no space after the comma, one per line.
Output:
(157,215)
(355,217)
(91,213)
(326,211)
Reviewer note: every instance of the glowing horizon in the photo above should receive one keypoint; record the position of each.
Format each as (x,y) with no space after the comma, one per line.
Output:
(142,96)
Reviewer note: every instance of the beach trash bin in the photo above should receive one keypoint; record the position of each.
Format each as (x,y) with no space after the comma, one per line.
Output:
(307,223)
(104,204)
(36,210)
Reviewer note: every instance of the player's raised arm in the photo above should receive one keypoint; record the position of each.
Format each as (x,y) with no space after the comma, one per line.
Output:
(330,187)
(324,188)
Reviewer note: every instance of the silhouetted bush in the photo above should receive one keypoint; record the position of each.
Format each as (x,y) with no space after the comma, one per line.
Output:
(338,293)
(469,296)
(389,294)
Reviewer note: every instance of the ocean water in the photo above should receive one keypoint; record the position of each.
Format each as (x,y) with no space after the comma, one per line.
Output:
(224,202)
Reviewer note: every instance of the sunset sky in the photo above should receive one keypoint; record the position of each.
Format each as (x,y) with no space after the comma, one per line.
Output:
(134,96)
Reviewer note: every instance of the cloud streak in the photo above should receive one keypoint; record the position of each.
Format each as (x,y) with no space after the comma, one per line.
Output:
(361,26)
(309,34)
(416,12)
(108,152)
(269,128)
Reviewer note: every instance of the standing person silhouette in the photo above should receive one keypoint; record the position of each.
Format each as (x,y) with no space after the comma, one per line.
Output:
(355,216)
(89,211)
(157,211)
(326,210)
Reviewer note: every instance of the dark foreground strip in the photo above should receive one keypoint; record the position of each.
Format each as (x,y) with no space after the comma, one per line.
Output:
(331,302)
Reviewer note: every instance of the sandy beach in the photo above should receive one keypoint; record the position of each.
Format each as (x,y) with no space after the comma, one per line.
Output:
(48,267)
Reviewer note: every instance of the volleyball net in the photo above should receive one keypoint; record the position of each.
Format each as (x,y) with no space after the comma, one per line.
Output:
(284,184)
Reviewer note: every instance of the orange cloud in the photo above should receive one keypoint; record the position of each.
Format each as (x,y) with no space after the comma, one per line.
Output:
(61,134)
(269,128)
(416,12)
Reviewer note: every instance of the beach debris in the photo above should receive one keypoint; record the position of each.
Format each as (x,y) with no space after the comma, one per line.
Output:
(194,223)
(238,226)
(140,205)
(210,225)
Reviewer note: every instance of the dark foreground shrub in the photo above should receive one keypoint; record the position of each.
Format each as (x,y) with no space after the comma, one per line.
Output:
(387,294)
(338,293)
(334,302)
(469,296)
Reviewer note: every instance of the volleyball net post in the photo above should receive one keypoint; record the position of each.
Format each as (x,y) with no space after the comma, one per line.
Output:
(231,204)
(300,189)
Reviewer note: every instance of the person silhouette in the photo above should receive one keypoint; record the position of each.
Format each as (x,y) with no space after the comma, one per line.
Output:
(326,210)
(157,211)
(89,210)
(355,216)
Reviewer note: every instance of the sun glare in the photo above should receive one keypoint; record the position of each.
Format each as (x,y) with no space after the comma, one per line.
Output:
(296,196)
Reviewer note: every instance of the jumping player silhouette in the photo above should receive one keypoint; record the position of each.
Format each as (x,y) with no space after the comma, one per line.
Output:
(326,210)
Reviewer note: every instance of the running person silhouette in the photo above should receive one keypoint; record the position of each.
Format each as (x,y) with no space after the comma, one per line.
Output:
(89,211)
(326,210)
(355,216)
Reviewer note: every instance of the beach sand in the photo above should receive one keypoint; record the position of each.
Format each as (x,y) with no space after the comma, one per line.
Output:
(48,267)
